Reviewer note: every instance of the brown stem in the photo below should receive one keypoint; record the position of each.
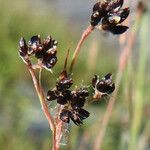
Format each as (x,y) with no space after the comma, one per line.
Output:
(85,34)
(59,126)
(59,132)
(44,106)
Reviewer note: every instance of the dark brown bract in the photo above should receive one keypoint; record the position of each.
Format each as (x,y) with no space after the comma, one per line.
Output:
(110,15)
(45,51)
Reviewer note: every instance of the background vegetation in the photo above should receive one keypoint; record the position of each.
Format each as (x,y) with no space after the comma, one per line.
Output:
(22,123)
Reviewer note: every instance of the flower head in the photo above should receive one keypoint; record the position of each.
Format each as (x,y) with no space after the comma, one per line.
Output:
(72,100)
(110,15)
(45,51)
(105,86)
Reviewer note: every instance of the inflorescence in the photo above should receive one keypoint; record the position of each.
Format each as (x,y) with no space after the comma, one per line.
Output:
(45,51)
(103,87)
(72,100)
(110,15)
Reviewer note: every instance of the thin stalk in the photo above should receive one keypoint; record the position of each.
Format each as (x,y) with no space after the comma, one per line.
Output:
(59,132)
(85,34)
(129,89)
(44,106)
(59,126)
(40,75)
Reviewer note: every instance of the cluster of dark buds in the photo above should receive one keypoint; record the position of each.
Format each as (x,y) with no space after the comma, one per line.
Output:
(45,51)
(72,101)
(103,87)
(110,15)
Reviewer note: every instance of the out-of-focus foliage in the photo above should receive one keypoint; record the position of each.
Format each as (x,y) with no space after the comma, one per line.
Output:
(23,125)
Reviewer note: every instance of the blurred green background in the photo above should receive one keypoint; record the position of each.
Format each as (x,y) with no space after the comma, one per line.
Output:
(22,123)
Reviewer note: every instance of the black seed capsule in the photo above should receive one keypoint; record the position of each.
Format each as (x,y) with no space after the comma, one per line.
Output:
(64,84)
(83,113)
(34,45)
(105,85)
(123,14)
(64,97)
(94,80)
(65,115)
(52,95)
(49,62)
(23,48)
(76,119)
(119,29)
(116,4)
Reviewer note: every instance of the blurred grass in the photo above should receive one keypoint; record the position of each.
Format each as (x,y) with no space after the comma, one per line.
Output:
(139,86)
(22,122)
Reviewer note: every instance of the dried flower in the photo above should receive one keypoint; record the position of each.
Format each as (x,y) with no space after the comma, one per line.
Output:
(110,15)
(45,51)
(72,100)
(103,86)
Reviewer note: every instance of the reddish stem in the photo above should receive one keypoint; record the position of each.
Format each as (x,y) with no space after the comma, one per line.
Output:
(85,34)
(44,106)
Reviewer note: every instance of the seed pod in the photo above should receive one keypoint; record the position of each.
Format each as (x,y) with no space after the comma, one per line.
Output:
(105,86)
(50,45)
(64,97)
(123,14)
(82,92)
(52,95)
(77,101)
(94,80)
(115,5)
(23,48)
(49,61)
(119,29)
(64,84)
(99,11)
(34,45)
(110,15)
(65,115)
(78,115)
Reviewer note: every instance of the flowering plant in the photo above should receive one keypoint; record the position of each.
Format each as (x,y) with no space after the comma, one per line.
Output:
(70,103)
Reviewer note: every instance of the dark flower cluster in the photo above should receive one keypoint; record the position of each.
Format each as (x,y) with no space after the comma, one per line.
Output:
(72,100)
(45,51)
(102,87)
(110,14)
